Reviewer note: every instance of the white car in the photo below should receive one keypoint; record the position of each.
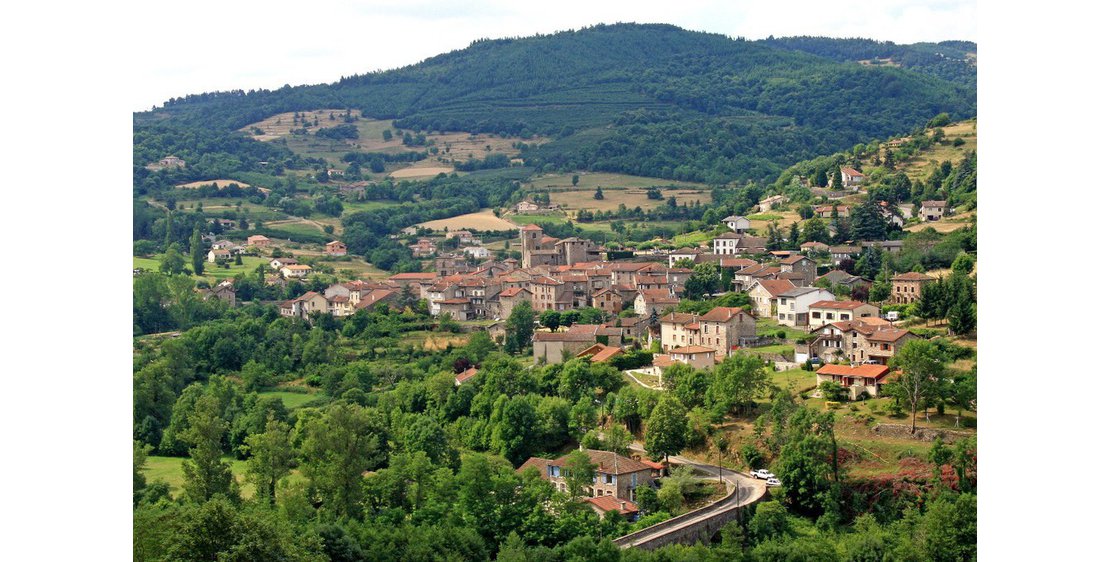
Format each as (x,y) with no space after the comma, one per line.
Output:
(762,474)
(772,481)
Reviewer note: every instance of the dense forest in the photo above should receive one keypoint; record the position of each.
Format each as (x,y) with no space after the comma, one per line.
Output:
(643,99)
(950,60)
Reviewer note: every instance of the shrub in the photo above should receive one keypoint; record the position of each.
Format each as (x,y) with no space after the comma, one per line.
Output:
(752,456)
(958,142)
(781,334)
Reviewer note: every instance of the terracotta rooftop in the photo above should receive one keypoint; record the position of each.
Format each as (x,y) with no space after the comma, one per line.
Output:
(690,349)
(839,305)
(912,276)
(874,371)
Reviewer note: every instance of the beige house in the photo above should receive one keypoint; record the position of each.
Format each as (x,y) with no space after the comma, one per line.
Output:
(296,271)
(772,202)
(335,248)
(851,178)
(304,305)
(932,210)
(555,347)
(737,223)
(829,311)
(218,254)
(696,356)
(764,294)
(616,475)
(657,300)
(858,380)
(722,329)
(259,241)
(906,287)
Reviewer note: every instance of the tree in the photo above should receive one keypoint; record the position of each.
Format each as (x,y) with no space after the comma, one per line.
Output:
(514,428)
(665,433)
(770,520)
(922,364)
(961,309)
(574,180)
(736,382)
(868,222)
(794,238)
(338,447)
(387,135)
(172,261)
(598,194)
(962,393)
(963,263)
(580,474)
(519,327)
(815,230)
(888,158)
(206,475)
(836,181)
(550,319)
(271,458)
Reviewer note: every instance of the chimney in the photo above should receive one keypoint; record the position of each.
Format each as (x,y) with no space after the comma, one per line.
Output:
(622,505)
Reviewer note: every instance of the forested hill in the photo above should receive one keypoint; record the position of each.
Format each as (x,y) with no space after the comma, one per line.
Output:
(950,60)
(643,99)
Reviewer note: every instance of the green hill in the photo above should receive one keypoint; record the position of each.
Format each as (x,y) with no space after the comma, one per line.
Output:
(651,100)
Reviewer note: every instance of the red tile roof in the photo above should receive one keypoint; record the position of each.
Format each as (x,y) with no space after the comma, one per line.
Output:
(612,503)
(912,276)
(873,371)
(721,314)
(776,286)
(466,375)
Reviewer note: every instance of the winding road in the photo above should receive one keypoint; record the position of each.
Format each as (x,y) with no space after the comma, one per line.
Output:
(689,527)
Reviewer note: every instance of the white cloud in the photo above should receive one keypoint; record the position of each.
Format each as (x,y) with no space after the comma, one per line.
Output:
(211,45)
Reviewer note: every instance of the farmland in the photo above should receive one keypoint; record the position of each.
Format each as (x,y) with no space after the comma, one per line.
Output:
(482,220)
(617,189)
(458,146)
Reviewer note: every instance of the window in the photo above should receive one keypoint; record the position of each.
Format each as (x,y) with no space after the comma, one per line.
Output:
(843,316)
(817,315)
(828,316)
(608,478)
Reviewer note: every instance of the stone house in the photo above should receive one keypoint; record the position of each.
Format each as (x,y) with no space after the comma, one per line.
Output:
(259,241)
(335,248)
(696,356)
(800,264)
(554,347)
(616,476)
(906,287)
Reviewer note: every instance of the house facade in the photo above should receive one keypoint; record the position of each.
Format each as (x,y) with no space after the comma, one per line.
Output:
(616,476)
(859,380)
(793,305)
(831,310)
(906,287)
(335,248)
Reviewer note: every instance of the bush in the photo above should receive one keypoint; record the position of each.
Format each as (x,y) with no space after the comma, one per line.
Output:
(781,334)
(752,456)
(958,142)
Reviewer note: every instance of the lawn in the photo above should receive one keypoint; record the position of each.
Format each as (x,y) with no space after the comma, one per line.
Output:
(296,228)
(356,206)
(691,239)
(291,399)
(765,326)
(211,272)
(168,470)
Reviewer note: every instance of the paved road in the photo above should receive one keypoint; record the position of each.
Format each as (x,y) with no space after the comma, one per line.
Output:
(743,490)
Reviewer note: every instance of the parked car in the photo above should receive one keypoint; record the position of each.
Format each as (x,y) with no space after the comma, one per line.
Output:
(762,474)
(772,481)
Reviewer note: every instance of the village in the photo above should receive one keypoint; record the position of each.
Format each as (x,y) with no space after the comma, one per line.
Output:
(633,301)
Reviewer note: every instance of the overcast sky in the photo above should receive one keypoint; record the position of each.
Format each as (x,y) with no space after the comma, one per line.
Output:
(207,45)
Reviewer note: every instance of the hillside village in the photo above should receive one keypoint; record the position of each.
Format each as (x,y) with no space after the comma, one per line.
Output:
(628,321)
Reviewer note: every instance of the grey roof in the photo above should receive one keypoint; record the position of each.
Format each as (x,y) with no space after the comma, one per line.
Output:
(798,291)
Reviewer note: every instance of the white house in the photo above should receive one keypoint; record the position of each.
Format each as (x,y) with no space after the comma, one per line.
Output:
(793,305)
(737,223)
(476,251)
(296,271)
(851,178)
(726,244)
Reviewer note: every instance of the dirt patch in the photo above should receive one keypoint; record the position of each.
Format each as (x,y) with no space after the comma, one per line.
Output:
(484,220)
(415,172)
(220,184)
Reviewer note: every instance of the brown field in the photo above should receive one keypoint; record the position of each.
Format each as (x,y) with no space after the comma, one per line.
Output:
(924,164)
(420,172)
(948,224)
(459,146)
(759,227)
(482,220)
(220,184)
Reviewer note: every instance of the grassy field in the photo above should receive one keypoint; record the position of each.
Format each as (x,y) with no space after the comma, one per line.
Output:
(617,188)
(945,225)
(691,239)
(417,171)
(291,399)
(168,470)
(765,326)
(482,220)
(295,227)
(211,272)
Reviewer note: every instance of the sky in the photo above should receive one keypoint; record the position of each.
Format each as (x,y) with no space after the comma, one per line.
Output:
(207,45)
